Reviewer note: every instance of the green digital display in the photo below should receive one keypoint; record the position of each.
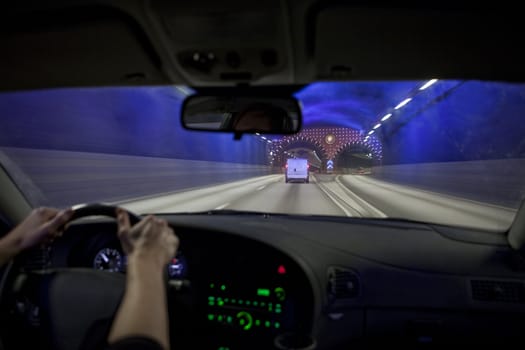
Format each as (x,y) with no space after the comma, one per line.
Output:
(263,292)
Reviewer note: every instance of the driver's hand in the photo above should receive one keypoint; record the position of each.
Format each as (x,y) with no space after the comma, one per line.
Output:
(42,225)
(151,239)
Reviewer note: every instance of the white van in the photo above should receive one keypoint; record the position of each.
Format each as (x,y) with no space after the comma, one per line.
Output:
(297,170)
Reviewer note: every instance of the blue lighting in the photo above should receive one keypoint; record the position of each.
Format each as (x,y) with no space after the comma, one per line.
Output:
(355,105)
(444,121)
(140,121)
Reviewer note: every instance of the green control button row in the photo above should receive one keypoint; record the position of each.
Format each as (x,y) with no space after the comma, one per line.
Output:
(218,286)
(221,301)
(279,293)
(243,320)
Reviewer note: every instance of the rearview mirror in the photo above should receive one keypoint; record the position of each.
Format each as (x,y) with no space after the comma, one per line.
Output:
(242,114)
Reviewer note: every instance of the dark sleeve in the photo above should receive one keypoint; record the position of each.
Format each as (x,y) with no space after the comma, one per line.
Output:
(135,343)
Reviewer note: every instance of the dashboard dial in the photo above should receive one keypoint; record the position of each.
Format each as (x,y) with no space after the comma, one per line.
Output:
(108,259)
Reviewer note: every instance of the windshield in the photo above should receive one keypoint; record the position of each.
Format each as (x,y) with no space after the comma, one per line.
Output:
(446,152)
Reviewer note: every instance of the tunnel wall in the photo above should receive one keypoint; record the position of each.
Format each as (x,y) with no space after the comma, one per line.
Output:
(67,146)
(63,178)
(138,121)
(457,121)
(500,182)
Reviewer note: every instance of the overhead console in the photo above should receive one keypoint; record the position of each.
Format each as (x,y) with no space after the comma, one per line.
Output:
(227,41)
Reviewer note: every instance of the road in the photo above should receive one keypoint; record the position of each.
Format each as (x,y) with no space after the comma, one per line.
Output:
(63,178)
(340,195)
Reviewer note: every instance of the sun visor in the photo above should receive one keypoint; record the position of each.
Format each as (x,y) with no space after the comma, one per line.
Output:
(352,42)
(78,46)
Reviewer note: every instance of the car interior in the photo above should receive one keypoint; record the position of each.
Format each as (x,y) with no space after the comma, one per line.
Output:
(263,280)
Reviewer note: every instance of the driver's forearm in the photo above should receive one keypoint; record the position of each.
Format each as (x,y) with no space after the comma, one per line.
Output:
(143,311)
(9,248)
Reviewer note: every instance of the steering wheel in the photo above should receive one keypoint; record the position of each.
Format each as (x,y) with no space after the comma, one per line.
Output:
(65,303)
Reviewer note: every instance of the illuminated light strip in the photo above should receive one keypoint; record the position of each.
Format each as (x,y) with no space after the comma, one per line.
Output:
(370,132)
(428,84)
(403,103)
(386,117)
(377,126)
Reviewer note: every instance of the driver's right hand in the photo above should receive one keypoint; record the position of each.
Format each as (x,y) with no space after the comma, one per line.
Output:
(150,240)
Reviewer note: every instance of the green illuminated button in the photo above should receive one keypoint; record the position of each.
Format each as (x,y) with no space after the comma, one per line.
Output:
(233,301)
(255,303)
(241,302)
(267,324)
(220,303)
(223,348)
(219,318)
(211,298)
(263,304)
(277,325)
(280,294)
(278,308)
(226,300)
(257,322)
(211,317)
(248,302)
(212,285)
(264,292)
(223,287)
(245,320)
(229,319)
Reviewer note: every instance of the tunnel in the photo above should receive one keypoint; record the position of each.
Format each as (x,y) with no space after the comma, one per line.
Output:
(301,147)
(355,155)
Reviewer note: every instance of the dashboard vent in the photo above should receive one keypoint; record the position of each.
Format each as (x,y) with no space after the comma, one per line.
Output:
(343,283)
(503,291)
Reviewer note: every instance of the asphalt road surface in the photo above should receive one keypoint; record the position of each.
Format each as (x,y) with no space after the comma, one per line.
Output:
(341,195)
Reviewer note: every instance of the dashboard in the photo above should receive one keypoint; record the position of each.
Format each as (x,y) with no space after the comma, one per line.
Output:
(277,282)
(240,292)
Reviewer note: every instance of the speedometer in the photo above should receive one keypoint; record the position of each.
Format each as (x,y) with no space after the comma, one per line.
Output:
(108,259)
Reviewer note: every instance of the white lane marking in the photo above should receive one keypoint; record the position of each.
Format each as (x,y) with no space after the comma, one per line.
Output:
(260,188)
(336,202)
(363,203)
(222,206)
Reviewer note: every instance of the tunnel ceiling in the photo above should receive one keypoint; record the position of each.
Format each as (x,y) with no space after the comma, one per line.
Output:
(356,105)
